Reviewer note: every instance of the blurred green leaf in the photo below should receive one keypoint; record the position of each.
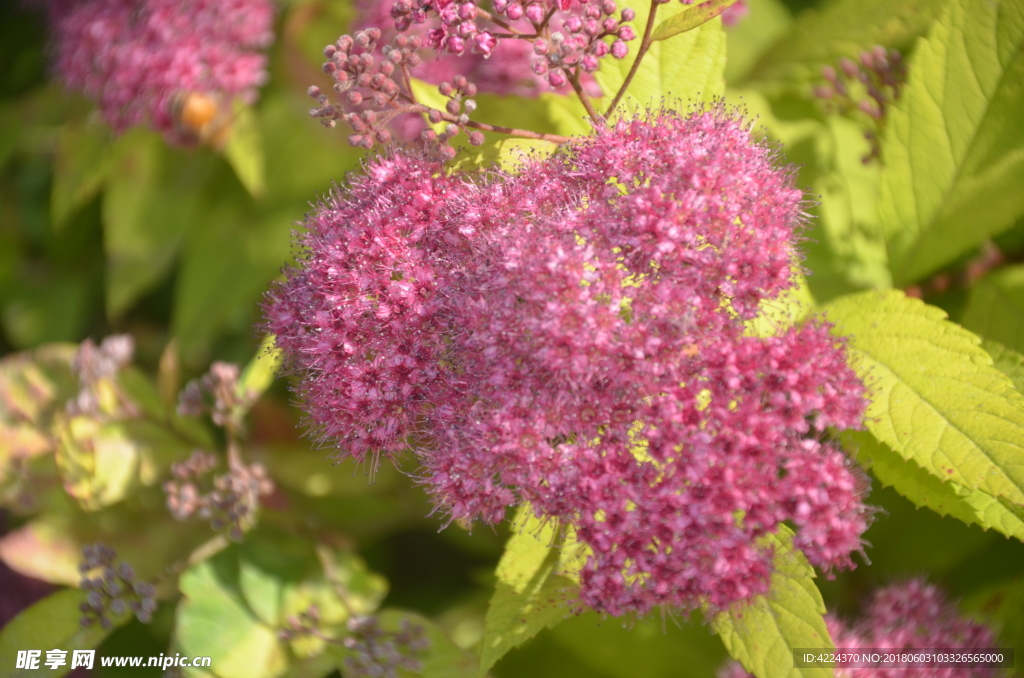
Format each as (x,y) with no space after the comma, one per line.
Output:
(954,147)
(567,115)
(507,153)
(974,507)
(840,28)
(152,197)
(52,623)
(660,76)
(762,634)
(259,374)
(98,462)
(244,150)
(936,398)
(81,161)
(530,594)
(648,648)
(747,41)
(1007,361)
(995,307)
(214,620)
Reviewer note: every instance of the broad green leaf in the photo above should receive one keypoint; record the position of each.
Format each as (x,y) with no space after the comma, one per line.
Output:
(244,150)
(999,606)
(995,307)
(151,199)
(213,620)
(51,624)
(936,398)
(443,659)
(787,309)
(954,146)
(687,68)
(427,94)
(1007,361)
(80,164)
(530,594)
(765,23)
(762,634)
(690,18)
(645,648)
(840,28)
(973,507)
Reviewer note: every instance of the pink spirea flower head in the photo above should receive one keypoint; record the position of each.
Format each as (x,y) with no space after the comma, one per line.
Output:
(574,336)
(905,616)
(135,56)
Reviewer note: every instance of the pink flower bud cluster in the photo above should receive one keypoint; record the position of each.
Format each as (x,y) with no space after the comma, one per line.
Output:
(575,337)
(911,615)
(135,56)
(569,37)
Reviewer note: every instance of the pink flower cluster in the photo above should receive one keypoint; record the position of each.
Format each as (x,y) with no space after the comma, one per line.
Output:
(575,337)
(906,616)
(135,56)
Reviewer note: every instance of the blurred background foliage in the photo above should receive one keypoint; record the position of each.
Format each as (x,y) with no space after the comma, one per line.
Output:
(103,235)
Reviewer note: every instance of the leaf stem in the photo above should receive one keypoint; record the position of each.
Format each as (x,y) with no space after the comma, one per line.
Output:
(645,44)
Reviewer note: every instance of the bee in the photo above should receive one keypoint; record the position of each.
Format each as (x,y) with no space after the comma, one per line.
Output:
(202,117)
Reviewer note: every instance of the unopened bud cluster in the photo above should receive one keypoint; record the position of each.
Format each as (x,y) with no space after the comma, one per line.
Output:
(113,590)
(911,615)
(216,393)
(94,364)
(869,85)
(377,653)
(228,501)
(371,85)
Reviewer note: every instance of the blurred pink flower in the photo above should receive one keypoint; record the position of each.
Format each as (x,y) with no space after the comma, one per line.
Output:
(134,57)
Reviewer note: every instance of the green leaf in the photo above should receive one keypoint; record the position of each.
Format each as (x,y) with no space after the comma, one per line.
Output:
(567,114)
(244,150)
(230,257)
(443,659)
(687,68)
(762,634)
(840,28)
(506,153)
(612,648)
(973,507)
(936,398)
(259,374)
(52,623)
(690,18)
(766,22)
(1007,361)
(80,164)
(98,462)
(995,307)
(954,145)
(213,620)
(530,594)
(151,199)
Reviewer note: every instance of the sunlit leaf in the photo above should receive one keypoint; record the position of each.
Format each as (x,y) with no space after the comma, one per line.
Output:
(244,150)
(954,147)
(763,633)
(530,594)
(936,398)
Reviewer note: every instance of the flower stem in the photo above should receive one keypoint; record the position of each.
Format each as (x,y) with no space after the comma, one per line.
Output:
(645,44)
